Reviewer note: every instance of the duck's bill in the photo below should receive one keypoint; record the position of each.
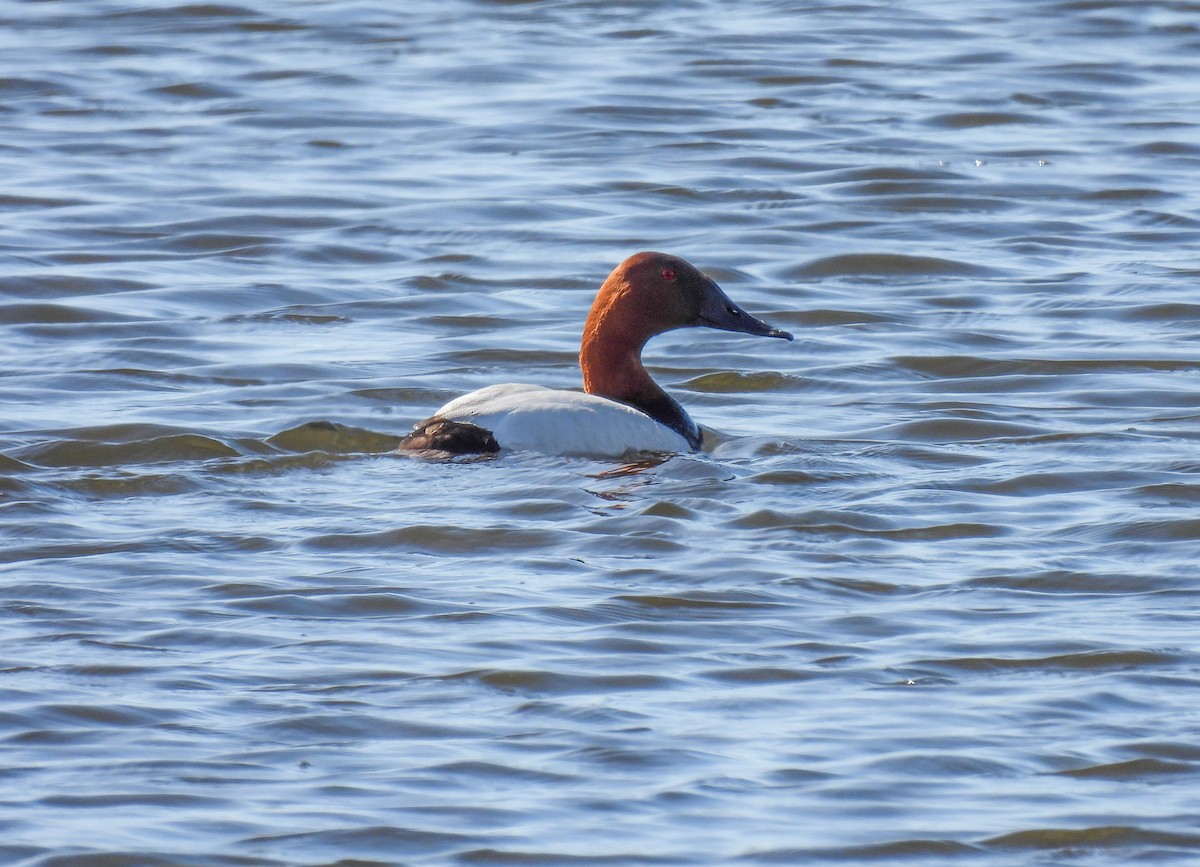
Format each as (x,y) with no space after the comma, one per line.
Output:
(718,311)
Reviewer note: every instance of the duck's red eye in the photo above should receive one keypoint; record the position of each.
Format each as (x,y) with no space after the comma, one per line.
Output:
(668,274)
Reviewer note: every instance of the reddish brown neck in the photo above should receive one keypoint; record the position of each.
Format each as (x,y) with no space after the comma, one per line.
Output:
(610,354)
(610,357)
(614,369)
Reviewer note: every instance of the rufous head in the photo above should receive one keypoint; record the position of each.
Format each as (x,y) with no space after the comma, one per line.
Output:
(650,293)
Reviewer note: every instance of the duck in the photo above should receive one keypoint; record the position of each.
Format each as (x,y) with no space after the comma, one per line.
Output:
(621,409)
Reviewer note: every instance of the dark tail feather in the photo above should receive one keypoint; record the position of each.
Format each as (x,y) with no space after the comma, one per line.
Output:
(451,437)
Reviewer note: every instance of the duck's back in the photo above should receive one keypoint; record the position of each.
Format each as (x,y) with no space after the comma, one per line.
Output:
(553,421)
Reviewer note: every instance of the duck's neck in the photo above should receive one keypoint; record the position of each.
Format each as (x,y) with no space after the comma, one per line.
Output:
(611,360)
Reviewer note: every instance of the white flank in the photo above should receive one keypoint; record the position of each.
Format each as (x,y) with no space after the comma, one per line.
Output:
(556,422)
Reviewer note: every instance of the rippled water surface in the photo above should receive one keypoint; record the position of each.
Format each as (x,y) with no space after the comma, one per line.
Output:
(928,596)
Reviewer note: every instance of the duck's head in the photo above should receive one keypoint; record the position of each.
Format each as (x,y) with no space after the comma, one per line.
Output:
(656,292)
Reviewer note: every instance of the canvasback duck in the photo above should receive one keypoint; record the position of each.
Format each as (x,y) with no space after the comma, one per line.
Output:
(622,409)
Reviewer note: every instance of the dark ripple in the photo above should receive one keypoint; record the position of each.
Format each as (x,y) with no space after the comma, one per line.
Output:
(200,638)
(755,676)
(972,366)
(898,850)
(859,525)
(490,773)
(1096,660)
(79,453)
(520,856)
(433,539)
(1133,769)
(146,799)
(194,90)
(1062,581)
(58,286)
(1102,838)
(324,436)
(28,87)
(91,716)
(137,858)
(24,314)
(322,728)
(951,430)
(734,382)
(542,683)
(883,264)
(970,119)
(368,841)
(339,605)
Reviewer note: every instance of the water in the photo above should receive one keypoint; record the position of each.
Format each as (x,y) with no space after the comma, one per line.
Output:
(929,596)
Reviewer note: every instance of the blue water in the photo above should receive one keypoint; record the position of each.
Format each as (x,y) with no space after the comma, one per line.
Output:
(929,596)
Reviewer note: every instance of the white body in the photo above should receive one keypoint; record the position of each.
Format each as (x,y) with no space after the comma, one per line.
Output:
(552,421)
